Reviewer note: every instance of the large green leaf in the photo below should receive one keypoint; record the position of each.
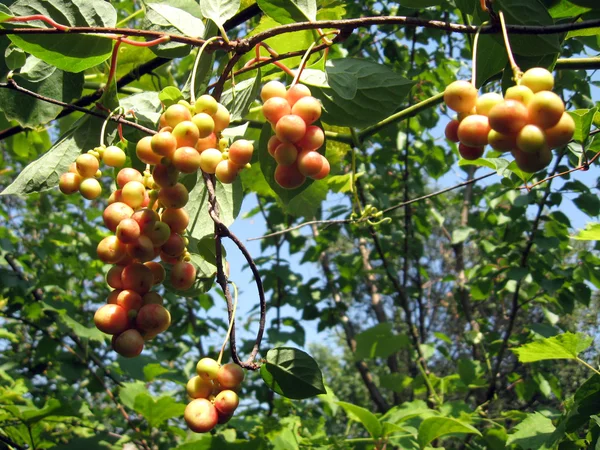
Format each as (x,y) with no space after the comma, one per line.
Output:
(435,427)
(185,22)
(364,416)
(583,122)
(289,11)
(529,12)
(563,346)
(292,373)
(44,173)
(533,433)
(45,80)
(491,58)
(566,9)
(157,411)
(357,92)
(219,11)
(69,53)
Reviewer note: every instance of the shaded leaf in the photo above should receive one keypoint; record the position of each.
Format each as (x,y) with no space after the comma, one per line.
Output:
(364,416)
(435,427)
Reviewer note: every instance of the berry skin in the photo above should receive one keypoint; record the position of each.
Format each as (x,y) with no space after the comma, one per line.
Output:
(460,96)
(69,183)
(186,134)
(207,368)
(310,163)
(137,277)
(297,92)
(205,125)
(129,343)
(177,219)
(115,213)
(313,138)
(502,142)
(127,299)
(174,247)
(113,277)
(208,142)
(226,171)
(90,188)
(143,150)
(531,139)
(145,218)
(198,387)
(152,298)
(289,177)
(508,117)
(133,193)
(473,130)
(128,174)
(272,89)
(183,275)
(290,128)
(538,79)
(113,156)
(158,272)
(545,109)
(486,102)
(186,159)
(159,234)
(221,118)
(163,143)
(273,144)
(230,376)
(286,154)
(324,170)
(177,113)
(153,318)
(110,250)
(561,133)
(240,152)
(174,197)
(206,104)
(209,159)
(275,108)
(142,249)
(111,319)
(308,108)
(226,402)
(87,165)
(519,93)
(451,131)
(470,153)
(165,176)
(128,230)
(532,162)
(200,415)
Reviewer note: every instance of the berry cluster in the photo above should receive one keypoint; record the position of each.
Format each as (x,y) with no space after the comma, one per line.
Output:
(292,112)
(84,172)
(214,395)
(528,121)
(133,312)
(187,142)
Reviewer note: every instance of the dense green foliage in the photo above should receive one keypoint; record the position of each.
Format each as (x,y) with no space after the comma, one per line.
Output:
(461,320)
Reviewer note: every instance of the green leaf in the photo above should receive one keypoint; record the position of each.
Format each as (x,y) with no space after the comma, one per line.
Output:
(239,98)
(289,11)
(590,233)
(129,392)
(219,11)
(30,112)
(44,173)
(64,51)
(588,203)
(566,9)
(356,92)
(170,95)
(491,58)
(563,346)
(529,13)
(178,18)
(379,342)
(435,427)
(364,416)
(342,183)
(467,6)
(292,373)
(586,3)
(583,122)
(157,411)
(532,433)
(229,198)
(461,234)
(80,330)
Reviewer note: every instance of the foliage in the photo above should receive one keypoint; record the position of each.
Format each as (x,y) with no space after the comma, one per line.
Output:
(436,295)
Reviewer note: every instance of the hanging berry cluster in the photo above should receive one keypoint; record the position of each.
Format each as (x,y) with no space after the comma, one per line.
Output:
(292,113)
(214,394)
(528,121)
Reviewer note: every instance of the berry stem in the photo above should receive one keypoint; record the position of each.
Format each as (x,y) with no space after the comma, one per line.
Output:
(113,63)
(513,64)
(103,130)
(195,68)
(235,301)
(308,52)
(41,17)
(475,43)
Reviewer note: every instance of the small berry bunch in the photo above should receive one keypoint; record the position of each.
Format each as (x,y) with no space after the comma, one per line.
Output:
(83,174)
(213,393)
(187,142)
(528,121)
(292,113)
